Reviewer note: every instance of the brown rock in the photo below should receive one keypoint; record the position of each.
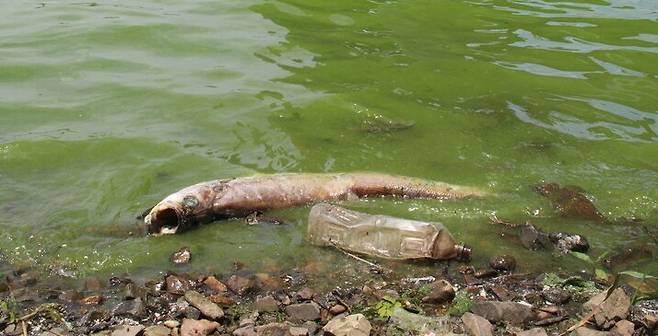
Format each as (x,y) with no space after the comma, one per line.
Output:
(92,300)
(352,325)
(273,329)
(305,294)
(202,303)
(298,331)
(240,285)
(594,302)
(613,309)
(337,309)
(532,332)
(197,327)
(477,325)
(502,294)
(583,331)
(266,304)
(222,300)
(556,295)
(215,285)
(507,311)
(157,330)
(623,328)
(309,311)
(245,331)
(442,291)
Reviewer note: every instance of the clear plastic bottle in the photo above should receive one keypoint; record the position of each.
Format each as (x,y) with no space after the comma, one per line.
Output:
(382,236)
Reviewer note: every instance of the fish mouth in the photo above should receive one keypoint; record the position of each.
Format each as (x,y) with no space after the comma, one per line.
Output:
(163,220)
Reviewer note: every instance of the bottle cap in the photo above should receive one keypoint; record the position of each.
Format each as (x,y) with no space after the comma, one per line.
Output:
(463,252)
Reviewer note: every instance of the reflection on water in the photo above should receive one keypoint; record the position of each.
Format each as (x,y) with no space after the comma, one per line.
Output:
(106,109)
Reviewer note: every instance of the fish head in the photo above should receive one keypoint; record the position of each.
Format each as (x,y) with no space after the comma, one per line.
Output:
(181,210)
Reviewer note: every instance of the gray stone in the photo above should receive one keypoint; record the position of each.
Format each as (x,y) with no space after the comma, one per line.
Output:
(298,331)
(556,295)
(127,330)
(352,325)
(507,311)
(241,285)
(266,304)
(157,330)
(273,329)
(477,325)
(202,303)
(303,311)
(533,332)
(55,332)
(615,308)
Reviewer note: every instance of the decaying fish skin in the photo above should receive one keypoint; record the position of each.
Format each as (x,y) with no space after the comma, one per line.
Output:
(239,197)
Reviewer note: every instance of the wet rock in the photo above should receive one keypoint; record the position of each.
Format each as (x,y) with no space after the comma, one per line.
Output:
(132,308)
(533,239)
(197,327)
(556,295)
(202,303)
(570,201)
(623,328)
(215,285)
(442,291)
(175,284)
(157,330)
(533,332)
(131,291)
(127,330)
(584,331)
(566,242)
(337,309)
(181,256)
(352,325)
(305,294)
(503,263)
(221,300)
(268,283)
(266,304)
(93,284)
(615,308)
(303,311)
(485,273)
(93,300)
(241,285)
(476,325)
(502,294)
(510,312)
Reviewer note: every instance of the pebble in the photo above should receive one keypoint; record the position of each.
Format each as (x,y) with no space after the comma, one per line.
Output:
(171,324)
(556,295)
(197,327)
(305,294)
(176,285)
(127,330)
(623,328)
(613,309)
(503,263)
(337,309)
(533,332)
(507,311)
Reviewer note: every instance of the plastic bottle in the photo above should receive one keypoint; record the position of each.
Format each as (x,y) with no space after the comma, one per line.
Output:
(382,236)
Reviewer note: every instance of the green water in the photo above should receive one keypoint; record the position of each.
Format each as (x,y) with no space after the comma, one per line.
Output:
(107,107)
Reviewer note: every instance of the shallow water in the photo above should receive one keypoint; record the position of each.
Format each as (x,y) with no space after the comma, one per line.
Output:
(107,107)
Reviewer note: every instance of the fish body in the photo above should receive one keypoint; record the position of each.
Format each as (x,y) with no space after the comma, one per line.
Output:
(239,197)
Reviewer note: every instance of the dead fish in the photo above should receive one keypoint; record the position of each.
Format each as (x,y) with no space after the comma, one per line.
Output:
(239,197)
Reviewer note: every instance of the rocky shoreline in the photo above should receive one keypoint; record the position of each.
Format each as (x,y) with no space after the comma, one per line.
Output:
(479,302)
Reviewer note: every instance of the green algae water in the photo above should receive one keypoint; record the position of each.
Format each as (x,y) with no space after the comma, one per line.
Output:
(107,107)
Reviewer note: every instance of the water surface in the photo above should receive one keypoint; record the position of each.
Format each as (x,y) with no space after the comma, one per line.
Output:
(106,107)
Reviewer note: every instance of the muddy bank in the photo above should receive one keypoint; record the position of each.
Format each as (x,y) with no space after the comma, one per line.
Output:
(361,300)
